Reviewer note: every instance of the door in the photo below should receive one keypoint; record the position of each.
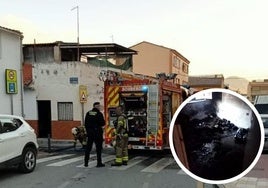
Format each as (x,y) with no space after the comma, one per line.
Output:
(44,118)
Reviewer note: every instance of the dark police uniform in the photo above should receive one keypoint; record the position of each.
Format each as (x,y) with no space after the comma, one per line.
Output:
(94,122)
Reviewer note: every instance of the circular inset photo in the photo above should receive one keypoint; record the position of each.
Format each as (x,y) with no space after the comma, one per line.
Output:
(216,136)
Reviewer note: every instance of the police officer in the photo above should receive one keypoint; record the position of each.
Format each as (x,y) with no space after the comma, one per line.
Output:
(94,123)
(121,132)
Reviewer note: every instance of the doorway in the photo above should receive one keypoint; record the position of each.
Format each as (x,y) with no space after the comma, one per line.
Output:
(44,118)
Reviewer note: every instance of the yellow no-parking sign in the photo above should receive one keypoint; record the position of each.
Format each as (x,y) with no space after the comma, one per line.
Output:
(11,81)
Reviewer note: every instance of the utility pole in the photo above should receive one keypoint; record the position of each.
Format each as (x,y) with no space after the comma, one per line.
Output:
(77,16)
(78,56)
(112,37)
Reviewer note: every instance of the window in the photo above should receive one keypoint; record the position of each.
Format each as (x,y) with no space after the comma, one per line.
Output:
(185,68)
(176,62)
(9,124)
(65,111)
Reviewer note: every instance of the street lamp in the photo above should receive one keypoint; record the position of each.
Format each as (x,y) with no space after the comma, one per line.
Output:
(77,10)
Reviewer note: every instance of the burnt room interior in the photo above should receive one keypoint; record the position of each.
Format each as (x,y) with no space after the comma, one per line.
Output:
(215,146)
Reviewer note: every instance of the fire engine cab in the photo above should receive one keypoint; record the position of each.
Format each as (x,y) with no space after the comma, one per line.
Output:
(149,104)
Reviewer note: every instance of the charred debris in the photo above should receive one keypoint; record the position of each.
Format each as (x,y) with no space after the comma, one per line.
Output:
(213,151)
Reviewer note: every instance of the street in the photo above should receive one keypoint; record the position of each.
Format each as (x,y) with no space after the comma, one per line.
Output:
(65,169)
(146,169)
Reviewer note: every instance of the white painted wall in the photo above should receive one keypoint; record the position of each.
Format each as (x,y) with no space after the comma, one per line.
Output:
(52,82)
(235,110)
(10,58)
(30,105)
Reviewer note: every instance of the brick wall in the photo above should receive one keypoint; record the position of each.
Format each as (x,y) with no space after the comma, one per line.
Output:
(62,129)
(27,73)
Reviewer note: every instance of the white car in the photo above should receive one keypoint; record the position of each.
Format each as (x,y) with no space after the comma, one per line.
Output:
(264,118)
(18,143)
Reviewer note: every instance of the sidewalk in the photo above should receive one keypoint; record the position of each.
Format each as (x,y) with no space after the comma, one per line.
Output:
(53,145)
(256,178)
(249,182)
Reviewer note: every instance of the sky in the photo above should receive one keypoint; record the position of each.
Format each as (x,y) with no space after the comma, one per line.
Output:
(228,37)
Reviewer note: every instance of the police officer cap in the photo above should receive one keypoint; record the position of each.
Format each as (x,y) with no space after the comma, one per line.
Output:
(96,103)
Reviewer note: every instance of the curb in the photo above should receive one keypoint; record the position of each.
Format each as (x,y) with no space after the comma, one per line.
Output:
(53,145)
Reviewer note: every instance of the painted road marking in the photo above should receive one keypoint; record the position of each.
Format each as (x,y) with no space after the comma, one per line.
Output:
(131,162)
(158,165)
(46,159)
(181,172)
(93,163)
(67,161)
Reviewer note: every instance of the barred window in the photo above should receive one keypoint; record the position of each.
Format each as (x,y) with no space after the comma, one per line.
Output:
(65,111)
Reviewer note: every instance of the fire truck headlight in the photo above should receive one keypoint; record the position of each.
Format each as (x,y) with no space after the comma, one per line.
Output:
(144,88)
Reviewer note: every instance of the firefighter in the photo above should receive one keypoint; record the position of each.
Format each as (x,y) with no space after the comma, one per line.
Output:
(94,123)
(121,132)
(79,133)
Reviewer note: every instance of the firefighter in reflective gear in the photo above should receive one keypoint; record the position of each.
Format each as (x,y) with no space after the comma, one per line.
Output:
(121,131)
(80,134)
(94,123)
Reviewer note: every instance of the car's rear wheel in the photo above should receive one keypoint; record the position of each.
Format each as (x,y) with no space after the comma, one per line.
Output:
(28,161)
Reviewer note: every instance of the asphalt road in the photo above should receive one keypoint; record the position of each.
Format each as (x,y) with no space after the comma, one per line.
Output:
(65,170)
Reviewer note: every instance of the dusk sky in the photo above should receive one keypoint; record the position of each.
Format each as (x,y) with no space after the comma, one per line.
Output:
(228,37)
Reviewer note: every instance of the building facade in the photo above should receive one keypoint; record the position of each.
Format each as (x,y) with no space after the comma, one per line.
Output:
(59,90)
(206,82)
(237,84)
(256,88)
(11,92)
(153,59)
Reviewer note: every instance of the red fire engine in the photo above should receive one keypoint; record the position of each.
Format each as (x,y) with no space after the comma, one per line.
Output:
(149,104)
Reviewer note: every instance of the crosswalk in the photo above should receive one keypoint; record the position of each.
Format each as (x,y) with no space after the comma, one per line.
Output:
(153,165)
(134,161)
(93,163)
(158,165)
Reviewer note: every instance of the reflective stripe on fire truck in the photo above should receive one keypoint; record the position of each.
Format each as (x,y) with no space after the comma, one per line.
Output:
(113,96)
(112,101)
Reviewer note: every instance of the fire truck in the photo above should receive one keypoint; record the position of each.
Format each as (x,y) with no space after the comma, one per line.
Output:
(148,103)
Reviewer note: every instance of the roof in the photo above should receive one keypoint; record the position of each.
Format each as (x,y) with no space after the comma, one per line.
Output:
(172,50)
(56,43)
(105,48)
(90,49)
(16,32)
(259,82)
(205,80)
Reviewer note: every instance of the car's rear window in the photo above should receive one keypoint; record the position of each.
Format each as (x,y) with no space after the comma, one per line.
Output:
(17,122)
(8,124)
